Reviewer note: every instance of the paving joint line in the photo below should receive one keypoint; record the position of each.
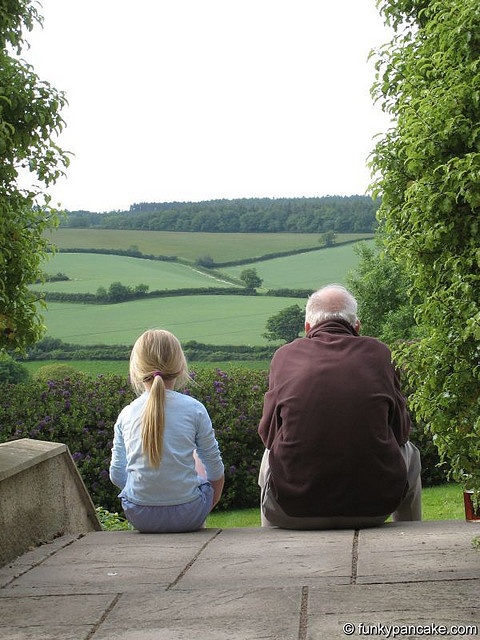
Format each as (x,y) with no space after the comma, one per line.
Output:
(192,561)
(39,562)
(303,623)
(424,581)
(354,574)
(107,611)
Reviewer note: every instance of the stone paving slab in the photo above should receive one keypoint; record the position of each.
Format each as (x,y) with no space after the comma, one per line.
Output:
(264,558)
(246,614)
(371,609)
(115,562)
(399,625)
(435,550)
(35,556)
(244,584)
(51,617)
(391,598)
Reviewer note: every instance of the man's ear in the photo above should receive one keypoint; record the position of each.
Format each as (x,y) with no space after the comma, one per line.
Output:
(357,326)
(307,327)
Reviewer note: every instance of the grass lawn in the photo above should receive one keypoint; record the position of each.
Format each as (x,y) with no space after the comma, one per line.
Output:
(444,502)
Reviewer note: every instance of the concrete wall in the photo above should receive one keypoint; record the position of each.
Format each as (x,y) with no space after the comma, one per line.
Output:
(42,496)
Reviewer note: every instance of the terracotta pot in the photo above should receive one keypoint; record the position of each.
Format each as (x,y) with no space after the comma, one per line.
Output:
(471,514)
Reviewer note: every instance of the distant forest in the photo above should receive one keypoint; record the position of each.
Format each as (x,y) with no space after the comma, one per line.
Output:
(341,214)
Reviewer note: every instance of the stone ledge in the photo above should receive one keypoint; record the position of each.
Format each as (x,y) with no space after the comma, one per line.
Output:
(42,496)
(22,454)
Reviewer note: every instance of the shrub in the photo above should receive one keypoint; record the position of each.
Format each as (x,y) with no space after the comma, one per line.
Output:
(78,411)
(55,372)
(433,471)
(12,371)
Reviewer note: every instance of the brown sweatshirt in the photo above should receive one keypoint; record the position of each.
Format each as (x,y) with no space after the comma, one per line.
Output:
(333,419)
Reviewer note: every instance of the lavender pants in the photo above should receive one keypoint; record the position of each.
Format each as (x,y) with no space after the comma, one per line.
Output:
(176,518)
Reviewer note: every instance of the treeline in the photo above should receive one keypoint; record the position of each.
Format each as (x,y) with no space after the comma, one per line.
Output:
(340,214)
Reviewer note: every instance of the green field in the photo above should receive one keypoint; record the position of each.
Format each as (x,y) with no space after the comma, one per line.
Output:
(309,270)
(222,247)
(235,320)
(222,320)
(89,271)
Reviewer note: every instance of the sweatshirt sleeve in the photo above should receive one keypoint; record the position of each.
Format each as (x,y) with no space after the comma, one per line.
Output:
(207,446)
(118,461)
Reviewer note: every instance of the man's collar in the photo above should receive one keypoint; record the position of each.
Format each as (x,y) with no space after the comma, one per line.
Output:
(337,326)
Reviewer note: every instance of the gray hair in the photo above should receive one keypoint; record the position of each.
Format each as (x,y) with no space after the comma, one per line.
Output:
(332,302)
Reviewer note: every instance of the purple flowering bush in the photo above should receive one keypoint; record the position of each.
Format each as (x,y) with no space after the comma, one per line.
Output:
(80,411)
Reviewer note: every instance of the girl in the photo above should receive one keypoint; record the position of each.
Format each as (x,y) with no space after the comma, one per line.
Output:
(165,486)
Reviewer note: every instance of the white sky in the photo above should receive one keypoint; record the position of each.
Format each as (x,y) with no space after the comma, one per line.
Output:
(200,99)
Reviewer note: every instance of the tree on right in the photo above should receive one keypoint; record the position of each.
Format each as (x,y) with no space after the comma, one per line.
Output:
(426,169)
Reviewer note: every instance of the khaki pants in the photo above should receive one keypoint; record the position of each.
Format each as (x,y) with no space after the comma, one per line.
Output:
(272,515)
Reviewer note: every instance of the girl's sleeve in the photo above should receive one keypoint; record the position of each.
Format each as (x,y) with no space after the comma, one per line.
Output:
(207,446)
(118,461)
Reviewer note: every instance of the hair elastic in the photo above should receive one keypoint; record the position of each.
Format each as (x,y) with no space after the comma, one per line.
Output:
(157,373)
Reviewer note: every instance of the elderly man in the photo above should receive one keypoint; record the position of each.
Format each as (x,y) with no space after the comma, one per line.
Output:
(335,427)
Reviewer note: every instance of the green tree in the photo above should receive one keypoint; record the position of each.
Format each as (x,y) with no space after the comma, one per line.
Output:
(205,261)
(381,287)
(29,120)
(12,372)
(117,292)
(428,168)
(102,294)
(328,238)
(286,324)
(251,279)
(141,289)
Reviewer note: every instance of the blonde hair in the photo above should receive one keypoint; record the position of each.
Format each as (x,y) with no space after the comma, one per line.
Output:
(156,356)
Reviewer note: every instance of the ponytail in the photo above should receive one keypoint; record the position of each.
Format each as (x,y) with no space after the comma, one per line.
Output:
(153,422)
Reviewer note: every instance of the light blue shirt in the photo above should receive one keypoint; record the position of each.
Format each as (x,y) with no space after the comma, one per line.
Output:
(187,428)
